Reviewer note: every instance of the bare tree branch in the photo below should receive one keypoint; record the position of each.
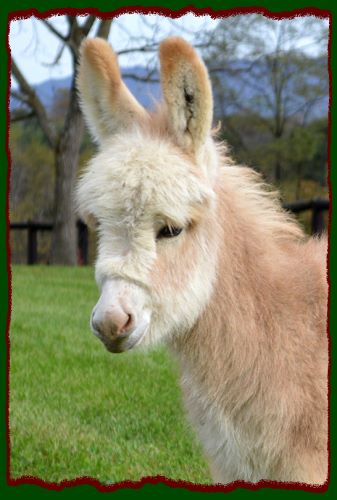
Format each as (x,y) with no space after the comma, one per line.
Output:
(138,78)
(57,58)
(20,97)
(144,48)
(88,25)
(103,29)
(72,22)
(35,103)
(53,30)
(19,115)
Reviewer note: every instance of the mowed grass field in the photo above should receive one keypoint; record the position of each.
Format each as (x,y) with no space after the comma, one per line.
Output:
(77,410)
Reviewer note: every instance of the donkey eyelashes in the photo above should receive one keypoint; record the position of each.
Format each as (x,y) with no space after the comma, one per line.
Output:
(168,232)
(165,232)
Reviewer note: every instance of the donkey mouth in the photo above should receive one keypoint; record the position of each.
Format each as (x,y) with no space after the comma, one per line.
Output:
(124,342)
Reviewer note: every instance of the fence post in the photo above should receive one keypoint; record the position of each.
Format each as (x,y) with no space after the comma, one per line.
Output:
(317,220)
(82,243)
(32,244)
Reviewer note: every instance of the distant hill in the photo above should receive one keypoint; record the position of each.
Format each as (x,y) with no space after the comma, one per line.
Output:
(148,92)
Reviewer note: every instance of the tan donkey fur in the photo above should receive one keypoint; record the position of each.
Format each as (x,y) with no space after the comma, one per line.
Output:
(196,251)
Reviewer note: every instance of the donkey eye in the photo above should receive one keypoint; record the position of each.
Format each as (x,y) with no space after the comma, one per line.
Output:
(168,232)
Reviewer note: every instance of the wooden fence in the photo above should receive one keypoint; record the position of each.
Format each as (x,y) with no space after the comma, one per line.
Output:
(33,228)
(317,207)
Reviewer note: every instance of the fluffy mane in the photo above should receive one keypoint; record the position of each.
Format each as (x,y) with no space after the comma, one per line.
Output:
(257,198)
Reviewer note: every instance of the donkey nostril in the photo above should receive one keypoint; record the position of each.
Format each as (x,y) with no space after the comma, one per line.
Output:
(129,324)
(115,322)
(118,321)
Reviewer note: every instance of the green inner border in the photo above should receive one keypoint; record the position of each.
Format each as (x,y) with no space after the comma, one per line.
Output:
(42,6)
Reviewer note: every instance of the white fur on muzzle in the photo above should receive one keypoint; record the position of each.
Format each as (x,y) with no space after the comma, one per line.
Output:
(121,317)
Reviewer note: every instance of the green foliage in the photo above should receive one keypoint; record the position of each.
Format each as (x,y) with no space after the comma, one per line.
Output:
(301,153)
(268,84)
(75,409)
(32,173)
(32,185)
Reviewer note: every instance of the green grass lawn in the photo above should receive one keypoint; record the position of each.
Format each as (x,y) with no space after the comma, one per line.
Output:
(75,409)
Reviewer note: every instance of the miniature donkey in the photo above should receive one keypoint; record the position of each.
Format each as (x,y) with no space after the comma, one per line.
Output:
(195,251)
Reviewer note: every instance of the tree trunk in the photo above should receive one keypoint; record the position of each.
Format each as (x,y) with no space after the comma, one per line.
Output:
(64,240)
(278,164)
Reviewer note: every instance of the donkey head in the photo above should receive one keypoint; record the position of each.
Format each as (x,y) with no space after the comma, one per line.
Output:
(149,192)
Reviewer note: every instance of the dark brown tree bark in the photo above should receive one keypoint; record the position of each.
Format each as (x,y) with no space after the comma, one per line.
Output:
(64,241)
(64,250)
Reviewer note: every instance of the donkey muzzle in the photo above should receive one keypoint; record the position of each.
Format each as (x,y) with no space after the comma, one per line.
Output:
(120,318)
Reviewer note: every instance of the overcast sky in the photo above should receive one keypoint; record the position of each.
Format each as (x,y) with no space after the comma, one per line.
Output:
(35,49)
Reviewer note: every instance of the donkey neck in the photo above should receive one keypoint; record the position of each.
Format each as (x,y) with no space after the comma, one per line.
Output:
(236,329)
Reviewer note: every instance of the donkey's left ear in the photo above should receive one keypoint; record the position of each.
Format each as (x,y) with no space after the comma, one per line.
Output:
(187,92)
(107,104)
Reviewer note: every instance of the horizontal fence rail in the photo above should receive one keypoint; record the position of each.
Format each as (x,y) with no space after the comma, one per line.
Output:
(32,248)
(316,205)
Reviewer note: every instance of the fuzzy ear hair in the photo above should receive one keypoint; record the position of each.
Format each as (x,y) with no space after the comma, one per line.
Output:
(187,92)
(107,104)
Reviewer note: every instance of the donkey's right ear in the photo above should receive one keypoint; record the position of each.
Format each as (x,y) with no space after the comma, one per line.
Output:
(187,93)
(107,104)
